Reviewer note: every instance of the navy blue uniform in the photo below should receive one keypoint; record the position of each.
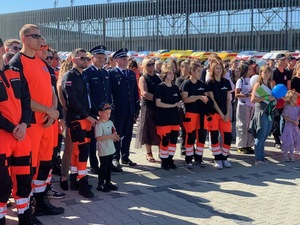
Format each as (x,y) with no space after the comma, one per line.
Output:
(98,80)
(100,92)
(126,107)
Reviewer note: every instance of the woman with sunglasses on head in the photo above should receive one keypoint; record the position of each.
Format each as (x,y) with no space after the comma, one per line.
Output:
(244,112)
(194,96)
(168,100)
(219,90)
(147,130)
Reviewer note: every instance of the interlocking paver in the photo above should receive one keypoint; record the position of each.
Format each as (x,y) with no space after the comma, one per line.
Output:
(244,194)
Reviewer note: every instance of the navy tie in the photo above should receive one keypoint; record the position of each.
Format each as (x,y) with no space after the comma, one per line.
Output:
(124,72)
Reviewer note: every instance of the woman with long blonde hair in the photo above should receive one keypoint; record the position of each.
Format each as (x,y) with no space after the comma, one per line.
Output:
(219,90)
(146,134)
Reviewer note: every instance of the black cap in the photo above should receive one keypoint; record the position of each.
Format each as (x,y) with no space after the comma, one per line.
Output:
(250,62)
(100,49)
(290,58)
(120,53)
(104,106)
(280,56)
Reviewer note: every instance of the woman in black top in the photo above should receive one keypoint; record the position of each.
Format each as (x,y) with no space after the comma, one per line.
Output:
(168,100)
(219,91)
(194,96)
(147,130)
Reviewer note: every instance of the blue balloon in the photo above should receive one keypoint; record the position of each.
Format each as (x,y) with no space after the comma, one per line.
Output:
(279,91)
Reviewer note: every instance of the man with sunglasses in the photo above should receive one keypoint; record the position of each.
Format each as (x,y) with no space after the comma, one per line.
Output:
(12,45)
(58,125)
(80,120)
(43,105)
(127,105)
(98,80)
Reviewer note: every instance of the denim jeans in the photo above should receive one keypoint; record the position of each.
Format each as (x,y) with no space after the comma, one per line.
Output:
(262,135)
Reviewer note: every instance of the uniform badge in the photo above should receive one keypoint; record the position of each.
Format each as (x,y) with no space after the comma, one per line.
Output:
(68,83)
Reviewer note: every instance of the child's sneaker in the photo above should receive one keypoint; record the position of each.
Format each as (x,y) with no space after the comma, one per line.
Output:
(112,187)
(292,158)
(103,188)
(286,159)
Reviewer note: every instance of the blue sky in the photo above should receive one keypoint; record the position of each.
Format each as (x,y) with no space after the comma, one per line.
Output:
(8,6)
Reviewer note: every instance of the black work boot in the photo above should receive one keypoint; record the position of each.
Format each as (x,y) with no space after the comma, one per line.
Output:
(2,221)
(165,164)
(171,162)
(33,218)
(73,182)
(44,207)
(25,218)
(84,188)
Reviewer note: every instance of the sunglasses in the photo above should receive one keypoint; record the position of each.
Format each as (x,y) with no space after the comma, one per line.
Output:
(150,64)
(49,58)
(16,48)
(44,47)
(34,36)
(83,58)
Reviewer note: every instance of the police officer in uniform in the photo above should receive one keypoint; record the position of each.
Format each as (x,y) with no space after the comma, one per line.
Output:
(98,80)
(126,102)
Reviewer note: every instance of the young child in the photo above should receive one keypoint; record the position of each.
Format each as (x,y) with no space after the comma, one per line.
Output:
(291,134)
(105,134)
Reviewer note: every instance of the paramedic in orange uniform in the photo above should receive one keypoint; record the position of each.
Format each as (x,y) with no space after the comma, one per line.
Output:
(15,158)
(43,105)
(80,120)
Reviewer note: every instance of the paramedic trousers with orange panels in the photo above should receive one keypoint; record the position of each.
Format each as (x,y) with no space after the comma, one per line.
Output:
(42,140)
(196,130)
(168,139)
(80,131)
(218,125)
(15,175)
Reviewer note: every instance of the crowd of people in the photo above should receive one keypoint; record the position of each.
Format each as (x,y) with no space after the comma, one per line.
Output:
(91,103)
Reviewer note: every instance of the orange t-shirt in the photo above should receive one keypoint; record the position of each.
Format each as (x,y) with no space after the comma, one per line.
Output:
(39,81)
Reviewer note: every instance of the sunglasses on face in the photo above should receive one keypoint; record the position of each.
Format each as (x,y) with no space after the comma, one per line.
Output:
(16,48)
(83,58)
(34,36)
(49,58)
(150,64)
(44,47)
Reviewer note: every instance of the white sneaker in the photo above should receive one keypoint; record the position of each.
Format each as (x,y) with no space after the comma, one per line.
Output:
(219,164)
(226,163)
(189,165)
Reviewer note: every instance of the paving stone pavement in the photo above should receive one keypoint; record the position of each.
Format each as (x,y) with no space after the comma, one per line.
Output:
(244,194)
